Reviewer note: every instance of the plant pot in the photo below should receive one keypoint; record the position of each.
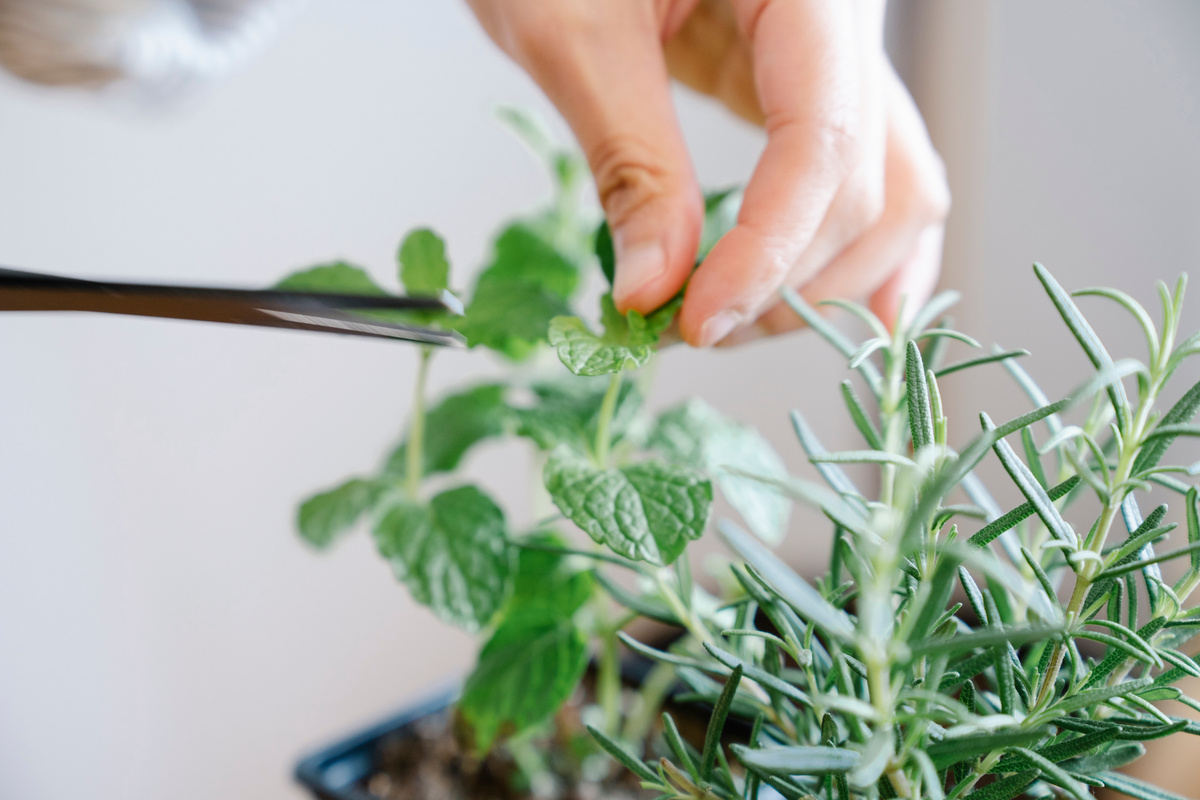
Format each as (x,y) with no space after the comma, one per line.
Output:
(336,772)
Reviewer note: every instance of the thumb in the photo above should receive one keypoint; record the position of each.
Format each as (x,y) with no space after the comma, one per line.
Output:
(602,65)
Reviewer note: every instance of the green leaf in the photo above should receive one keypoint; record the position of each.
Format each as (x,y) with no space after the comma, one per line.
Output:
(1061,750)
(987,638)
(1193,525)
(1018,515)
(1133,307)
(1132,787)
(799,760)
(546,587)
(683,752)
(1005,788)
(627,342)
(525,286)
(833,474)
(1087,339)
(524,674)
(335,278)
(1054,774)
(1032,490)
(975,362)
(510,317)
(920,419)
(1116,571)
(792,589)
(455,425)
(832,335)
(859,414)
(1095,697)
(716,724)
(1114,757)
(324,517)
(645,512)
(424,269)
(522,255)
(959,748)
(624,757)
(758,675)
(536,657)
(453,554)
(693,433)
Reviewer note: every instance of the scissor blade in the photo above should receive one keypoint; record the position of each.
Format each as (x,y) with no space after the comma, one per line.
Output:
(23,291)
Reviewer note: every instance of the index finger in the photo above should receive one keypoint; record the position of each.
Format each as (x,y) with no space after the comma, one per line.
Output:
(806,72)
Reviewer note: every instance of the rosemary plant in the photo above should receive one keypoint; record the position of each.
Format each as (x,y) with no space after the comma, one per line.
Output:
(878,682)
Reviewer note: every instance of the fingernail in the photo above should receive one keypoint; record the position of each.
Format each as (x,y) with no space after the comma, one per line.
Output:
(718,327)
(637,266)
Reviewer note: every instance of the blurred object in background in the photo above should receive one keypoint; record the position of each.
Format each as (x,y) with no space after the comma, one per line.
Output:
(157,46)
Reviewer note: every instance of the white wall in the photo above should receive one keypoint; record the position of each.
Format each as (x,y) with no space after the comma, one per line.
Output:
(162,633)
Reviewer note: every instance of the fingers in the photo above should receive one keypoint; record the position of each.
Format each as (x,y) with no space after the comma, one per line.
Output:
(900,256)
(807,75)
(602,65)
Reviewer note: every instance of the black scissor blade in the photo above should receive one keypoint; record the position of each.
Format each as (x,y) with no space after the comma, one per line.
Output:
(25,291)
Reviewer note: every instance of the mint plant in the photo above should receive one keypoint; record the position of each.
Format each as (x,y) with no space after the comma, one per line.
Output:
(640,486)
(953,649)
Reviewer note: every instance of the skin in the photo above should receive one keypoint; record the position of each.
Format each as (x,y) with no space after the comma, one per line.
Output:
(848,199)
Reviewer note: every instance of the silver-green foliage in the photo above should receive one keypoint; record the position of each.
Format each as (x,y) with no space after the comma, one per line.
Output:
(878,681)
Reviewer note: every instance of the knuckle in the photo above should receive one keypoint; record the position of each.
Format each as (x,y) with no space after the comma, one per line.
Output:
(628,176)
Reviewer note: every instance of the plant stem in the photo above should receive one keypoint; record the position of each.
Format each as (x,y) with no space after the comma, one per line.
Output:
(415,455)
(608,683)
(1130,446)
(607,409)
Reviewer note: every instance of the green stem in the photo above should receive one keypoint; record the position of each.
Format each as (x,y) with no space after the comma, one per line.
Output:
(607,409)
(608,683)
(415,455)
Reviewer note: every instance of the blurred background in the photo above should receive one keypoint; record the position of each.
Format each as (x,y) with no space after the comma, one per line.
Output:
(163,633)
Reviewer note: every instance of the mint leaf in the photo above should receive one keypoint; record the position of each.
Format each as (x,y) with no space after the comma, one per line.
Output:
(454,426)
(627,341)
(524,674)
(537,655)
(645,512)
(453,554)
(335,278)
(522,255)
(568,412)
(519,293)
(510,317)
(424,269)
(546,588)
(324,517)
(693,433)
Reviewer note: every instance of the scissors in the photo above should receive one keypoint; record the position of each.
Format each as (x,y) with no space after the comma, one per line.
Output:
(271,308)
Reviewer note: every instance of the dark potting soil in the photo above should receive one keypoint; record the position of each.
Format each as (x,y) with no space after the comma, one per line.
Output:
(427,761)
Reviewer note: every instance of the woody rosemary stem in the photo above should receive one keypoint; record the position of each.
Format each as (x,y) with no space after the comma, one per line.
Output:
(607,409)
(414,454)
(1131,445)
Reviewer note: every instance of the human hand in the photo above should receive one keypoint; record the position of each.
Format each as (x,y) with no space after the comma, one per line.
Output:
(847,200)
